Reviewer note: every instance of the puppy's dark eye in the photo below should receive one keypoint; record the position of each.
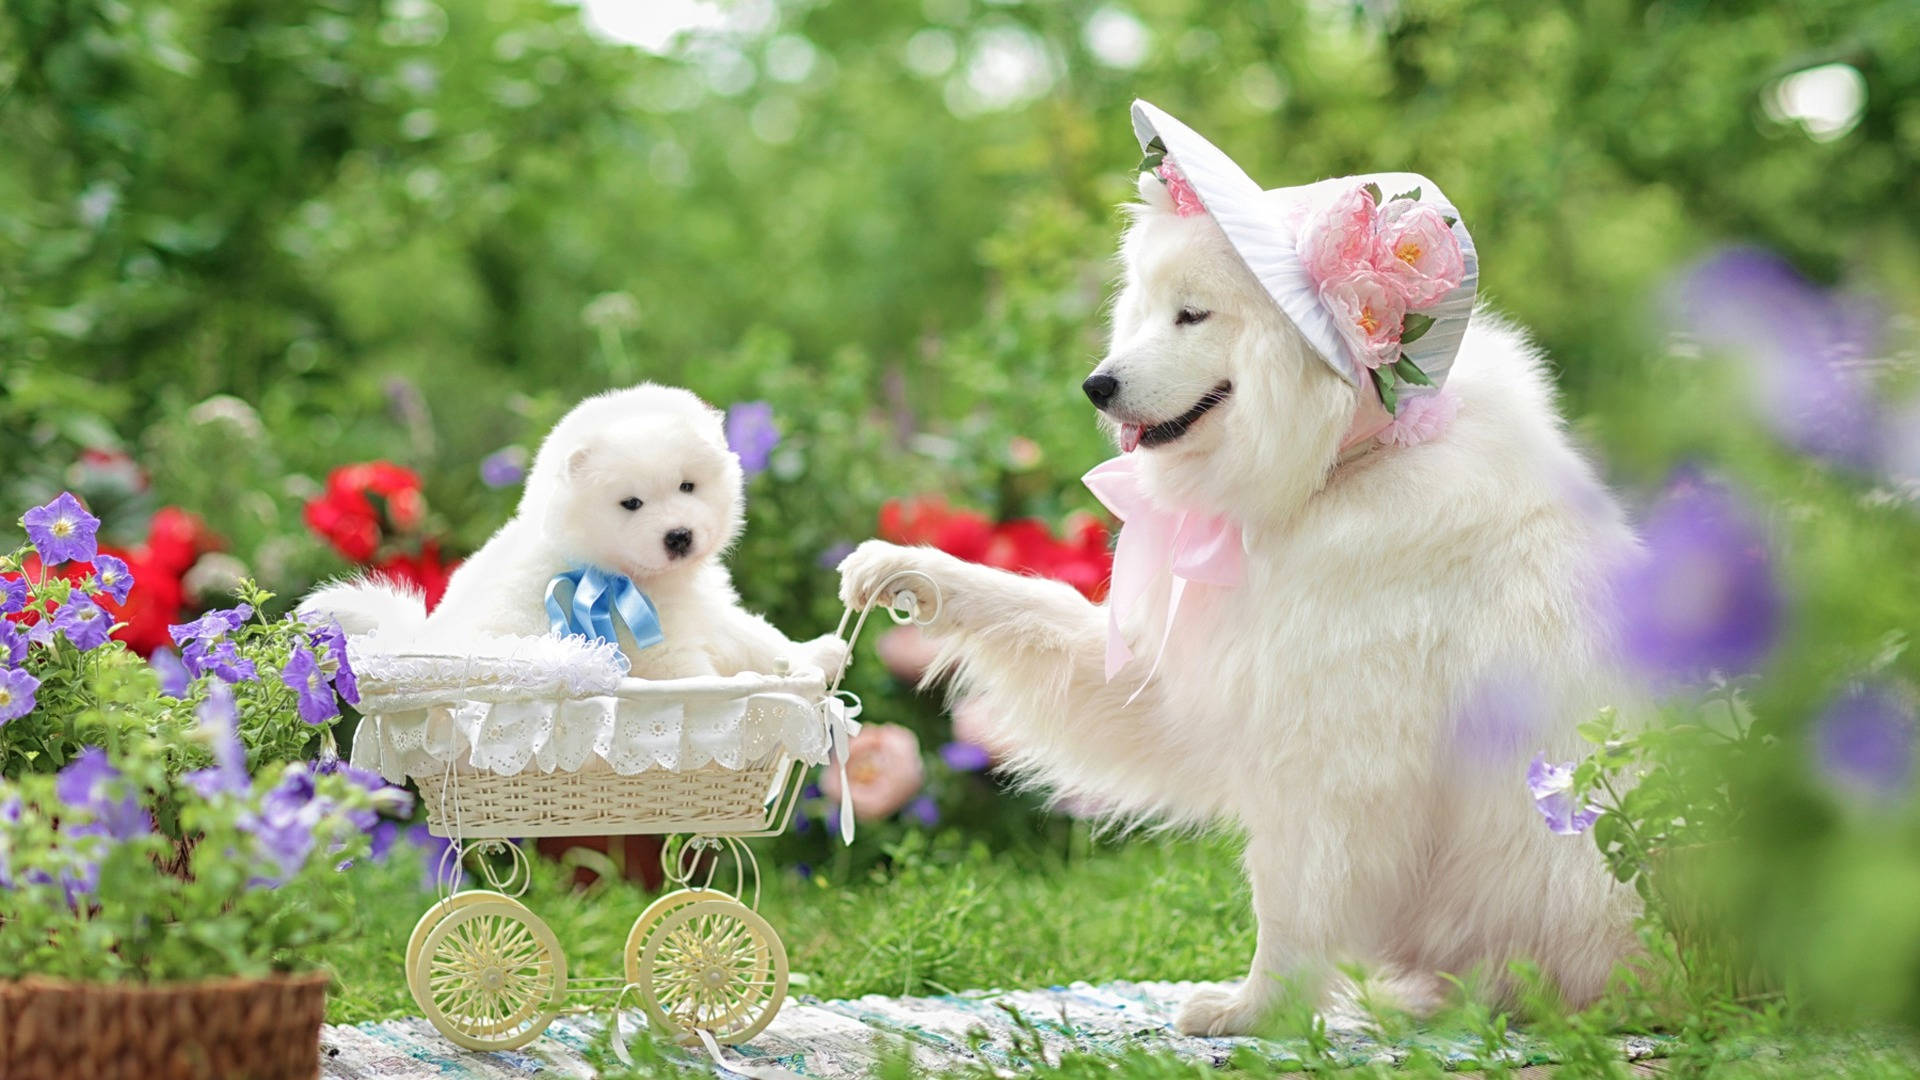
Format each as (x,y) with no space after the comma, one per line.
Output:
(1189,316)
(686,485)
(629,503)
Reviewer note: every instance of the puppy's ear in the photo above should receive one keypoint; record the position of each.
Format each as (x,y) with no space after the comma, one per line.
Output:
(579,462)
(1153,192)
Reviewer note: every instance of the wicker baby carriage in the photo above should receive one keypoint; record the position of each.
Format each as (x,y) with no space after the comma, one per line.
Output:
(544,737)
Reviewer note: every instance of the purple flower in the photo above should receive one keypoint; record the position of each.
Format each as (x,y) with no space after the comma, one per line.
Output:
(965,757)
(924,810)
(13,594)
(62,531)
(504,468)
(16,694)
(13,644)
(1802,346)
(1864,741)
(332,643)
(88,784)
(218,728)
(175,680)
(221,657)
(213,624)
(834,555)
(83,622)
(1552,789)
(751,434)
(1497,721)
(438,866)
(1702,596)
(303,676)
(113,577)
(389,799)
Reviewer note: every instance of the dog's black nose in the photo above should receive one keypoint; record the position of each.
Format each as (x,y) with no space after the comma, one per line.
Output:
(1100,389)
(679,541)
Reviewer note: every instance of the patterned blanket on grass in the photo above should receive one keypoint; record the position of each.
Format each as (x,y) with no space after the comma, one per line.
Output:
(845,1039)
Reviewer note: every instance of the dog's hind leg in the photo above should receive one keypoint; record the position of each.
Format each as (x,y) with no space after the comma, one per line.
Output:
(1034,651)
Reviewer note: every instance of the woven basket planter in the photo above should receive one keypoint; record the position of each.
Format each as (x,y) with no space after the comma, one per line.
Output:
(220,1029)
(710,799)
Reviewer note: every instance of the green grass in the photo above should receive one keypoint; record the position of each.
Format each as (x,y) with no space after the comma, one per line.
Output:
(945,917)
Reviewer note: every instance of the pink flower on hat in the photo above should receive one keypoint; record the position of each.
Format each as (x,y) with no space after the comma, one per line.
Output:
(1342,238)
(1186,201)
(1419,252)
(1369,309)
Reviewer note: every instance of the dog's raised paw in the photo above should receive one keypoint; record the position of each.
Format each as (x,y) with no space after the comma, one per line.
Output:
(1213,1013)
(873,566)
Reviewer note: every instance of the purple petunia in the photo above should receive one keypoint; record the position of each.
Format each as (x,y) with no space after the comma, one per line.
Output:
(113,577)
(13,644)
(17,690)
(221,657)
(924,811)
(331,641)
(62,531)
(1552,789)
(218,727)
(965,757)
(751,434)
(13,594)
(284,827)
(175,679)
(1702,598)
(504,468)
(88,784)
(303,676)
(212,625)
(1864,742)
(83,622)
(833,555)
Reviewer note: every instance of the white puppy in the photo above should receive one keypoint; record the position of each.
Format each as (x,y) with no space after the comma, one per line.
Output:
(637,482)
(1413,624)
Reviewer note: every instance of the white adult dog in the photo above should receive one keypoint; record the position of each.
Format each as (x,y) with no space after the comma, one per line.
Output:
(1413,623)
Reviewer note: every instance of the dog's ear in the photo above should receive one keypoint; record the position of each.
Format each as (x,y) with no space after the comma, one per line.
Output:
(579,461)
(1153,192)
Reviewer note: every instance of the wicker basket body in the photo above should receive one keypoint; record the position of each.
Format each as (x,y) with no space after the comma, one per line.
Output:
(712,799)
(220,1029)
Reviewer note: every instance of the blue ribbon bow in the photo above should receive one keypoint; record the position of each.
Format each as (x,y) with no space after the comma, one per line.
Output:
(585,602)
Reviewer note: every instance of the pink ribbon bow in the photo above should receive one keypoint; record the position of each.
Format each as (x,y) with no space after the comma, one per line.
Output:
(1191,546)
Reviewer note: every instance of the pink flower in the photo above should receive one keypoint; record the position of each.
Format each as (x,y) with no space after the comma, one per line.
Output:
(1186,201)
(884,771)
(906,652)
(1341,238)
(1420,419)
(1369,309)
(1419,252)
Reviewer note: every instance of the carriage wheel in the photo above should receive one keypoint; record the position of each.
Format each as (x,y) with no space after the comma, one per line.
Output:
(493,975)
(430,919)
(650,918)
(712,965)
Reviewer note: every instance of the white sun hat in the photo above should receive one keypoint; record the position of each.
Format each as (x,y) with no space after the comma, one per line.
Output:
(1377,271)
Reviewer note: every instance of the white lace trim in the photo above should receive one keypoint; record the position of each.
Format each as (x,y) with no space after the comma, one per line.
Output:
(398,670)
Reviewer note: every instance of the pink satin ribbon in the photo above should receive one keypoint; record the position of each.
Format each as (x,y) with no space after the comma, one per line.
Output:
(1154,540)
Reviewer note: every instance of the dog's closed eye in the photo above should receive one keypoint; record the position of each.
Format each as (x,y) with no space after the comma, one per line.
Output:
(630,503)
(1189,316)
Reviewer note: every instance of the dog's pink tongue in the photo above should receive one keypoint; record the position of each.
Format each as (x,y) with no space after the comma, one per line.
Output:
(1129,437)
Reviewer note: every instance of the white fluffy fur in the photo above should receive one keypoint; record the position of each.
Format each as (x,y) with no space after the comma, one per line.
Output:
(1414,623)
(645,442)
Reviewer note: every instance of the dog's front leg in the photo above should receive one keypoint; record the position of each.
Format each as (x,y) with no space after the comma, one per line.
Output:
(978,607)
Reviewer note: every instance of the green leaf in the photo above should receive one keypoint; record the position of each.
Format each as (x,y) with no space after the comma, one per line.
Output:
(1383,382)
(1449,220)
(1410,372)
(1415,325)
(1156,153)
(1374,191)
(1414,195)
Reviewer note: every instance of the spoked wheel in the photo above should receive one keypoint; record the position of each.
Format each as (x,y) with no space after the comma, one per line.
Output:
(493,975)
(712,965)
(430,919)
(650,918)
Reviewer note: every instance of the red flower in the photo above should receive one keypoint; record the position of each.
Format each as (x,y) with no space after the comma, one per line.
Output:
(175,538)
(1083,560)
(364,503)
(424,571)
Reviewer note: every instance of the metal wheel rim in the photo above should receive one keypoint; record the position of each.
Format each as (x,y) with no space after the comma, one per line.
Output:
(713,965)
(491,974)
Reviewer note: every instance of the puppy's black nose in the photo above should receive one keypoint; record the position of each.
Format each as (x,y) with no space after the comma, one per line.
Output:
(679,542)
(1100,389)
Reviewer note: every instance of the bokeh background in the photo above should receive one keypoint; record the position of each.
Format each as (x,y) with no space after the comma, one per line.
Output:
(245,243)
